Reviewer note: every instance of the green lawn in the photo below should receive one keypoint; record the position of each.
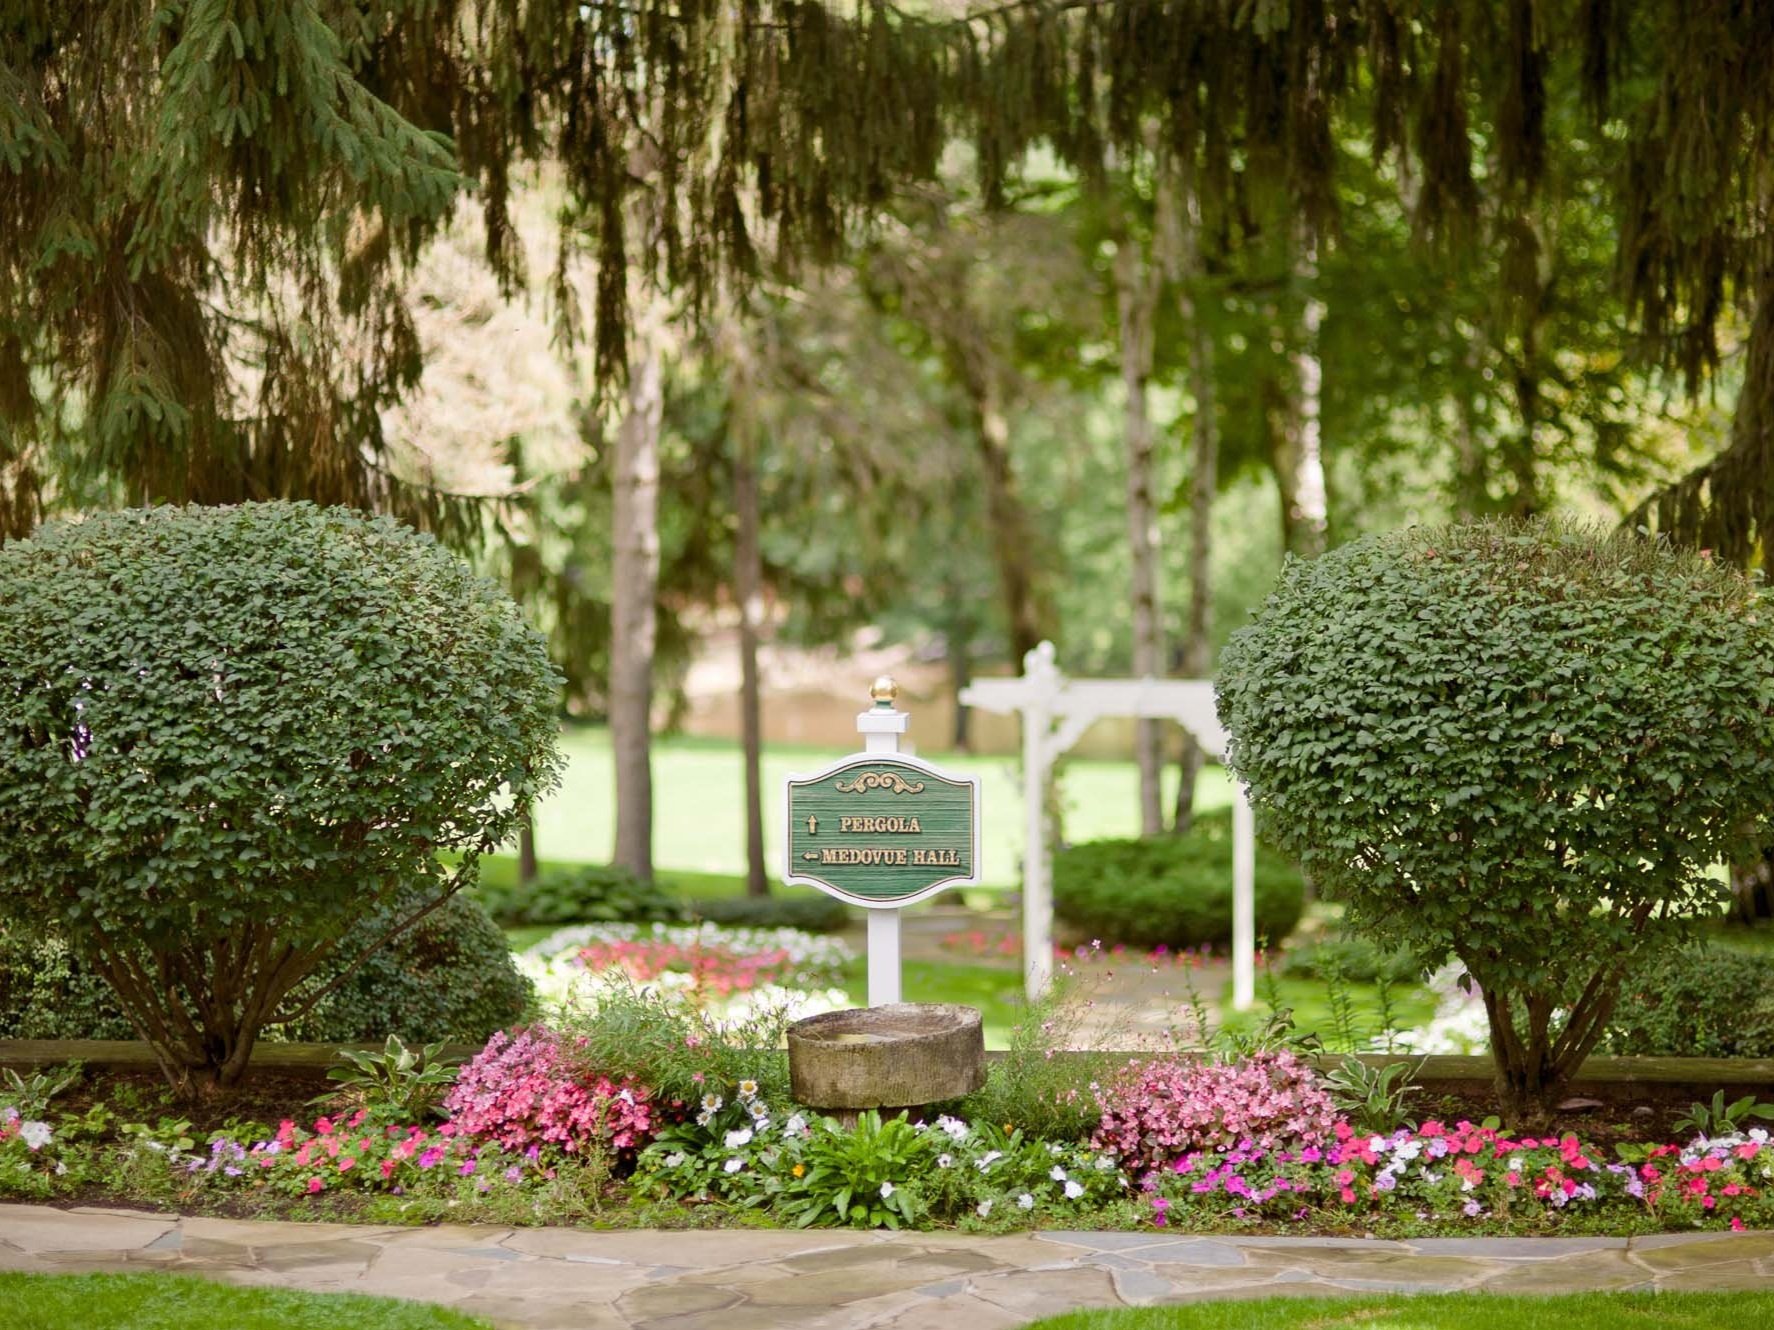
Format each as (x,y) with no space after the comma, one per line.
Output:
(1310,1002)
(173,1302)
(1446,1311)
(699,812)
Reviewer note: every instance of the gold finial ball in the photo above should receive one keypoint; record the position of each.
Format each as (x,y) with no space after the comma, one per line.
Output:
(884,690)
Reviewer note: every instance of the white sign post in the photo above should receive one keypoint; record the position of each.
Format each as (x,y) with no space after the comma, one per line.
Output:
(880,731)
(882,829)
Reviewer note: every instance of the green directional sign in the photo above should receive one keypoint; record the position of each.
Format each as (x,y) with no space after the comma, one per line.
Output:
(882,829)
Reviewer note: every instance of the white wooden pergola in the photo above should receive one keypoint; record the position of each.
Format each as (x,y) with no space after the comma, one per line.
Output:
(1055,713)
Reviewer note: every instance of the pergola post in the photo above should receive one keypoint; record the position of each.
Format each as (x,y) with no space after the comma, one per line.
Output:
(1244,903)
(1055,712)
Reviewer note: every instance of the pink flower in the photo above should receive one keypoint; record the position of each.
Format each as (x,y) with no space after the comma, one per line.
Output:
(315,1184)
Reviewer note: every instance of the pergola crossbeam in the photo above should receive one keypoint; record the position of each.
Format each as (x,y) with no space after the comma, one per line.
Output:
(1056,711)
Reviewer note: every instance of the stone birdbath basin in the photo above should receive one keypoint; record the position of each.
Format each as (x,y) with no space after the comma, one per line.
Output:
(903,1055)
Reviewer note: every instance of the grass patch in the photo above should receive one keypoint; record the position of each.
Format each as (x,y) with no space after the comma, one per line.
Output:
(1451,1311)
(178,1302)
(1310,1000)
(699,805)
(996,991)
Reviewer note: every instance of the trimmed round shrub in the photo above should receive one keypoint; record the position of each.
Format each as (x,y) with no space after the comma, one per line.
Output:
(592,894)
(1171,891)
(1711,1002)
(1524,744)
(230,736)
(450,976)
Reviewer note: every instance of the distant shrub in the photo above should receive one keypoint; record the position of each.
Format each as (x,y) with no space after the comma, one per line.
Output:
(449,977)
(590,894)
(1711,1002)
(1353,958)
(1161,1110)
(1173,891)
(809,911)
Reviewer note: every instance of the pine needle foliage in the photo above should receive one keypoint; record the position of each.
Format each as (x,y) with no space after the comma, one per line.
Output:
(206,205)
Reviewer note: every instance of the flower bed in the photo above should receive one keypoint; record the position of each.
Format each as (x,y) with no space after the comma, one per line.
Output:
(649,1107)
(730,973)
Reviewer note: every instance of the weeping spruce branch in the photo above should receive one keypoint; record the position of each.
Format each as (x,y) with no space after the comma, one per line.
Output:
(199,284)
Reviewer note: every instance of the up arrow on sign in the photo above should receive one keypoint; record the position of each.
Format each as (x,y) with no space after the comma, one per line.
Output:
(882,829)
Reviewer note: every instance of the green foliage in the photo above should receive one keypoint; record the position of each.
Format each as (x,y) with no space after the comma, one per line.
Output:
(1031,1086)
(397,1084)
(1373,1098)
(1711,1002)
(228,737)
(47,992)
(1173,891)
(1721,1119)
(30,1096)
(1522,744)
(663,1043)
(450,976)
(809,911)
(593,893)
(857,1177)
(1353,959)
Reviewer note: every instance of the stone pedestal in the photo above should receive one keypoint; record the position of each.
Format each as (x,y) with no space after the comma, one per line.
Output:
(902,1055)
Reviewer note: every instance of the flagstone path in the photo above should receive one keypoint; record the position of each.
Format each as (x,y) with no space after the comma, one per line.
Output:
(772,1279)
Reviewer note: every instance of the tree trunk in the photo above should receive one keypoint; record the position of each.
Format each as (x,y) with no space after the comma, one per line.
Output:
(527,867)
(1195,657)
(1136,297)
(1308,504)
(635,586)
(960,653)
(748,580)
(1471,488)
(1012,545)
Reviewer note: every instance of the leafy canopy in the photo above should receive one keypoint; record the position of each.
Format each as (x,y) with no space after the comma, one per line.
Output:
(1524,744)
(229,735)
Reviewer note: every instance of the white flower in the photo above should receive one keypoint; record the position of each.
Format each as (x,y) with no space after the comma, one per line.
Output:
(795,1125)
(989,1158)
(711,1103)
(886,1190)
(1379,1145)
(35,1134)
(1104,1163)
(955,1128)
(626,1096)
(758,1109)
(1073,1190)
(733,1165)
(1055,1150)
(748,1090)
(735,1139)
(1057,1173)
(945,1161)
(983,1209)
(675,1159)
(1025,1202)
(704,1118)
